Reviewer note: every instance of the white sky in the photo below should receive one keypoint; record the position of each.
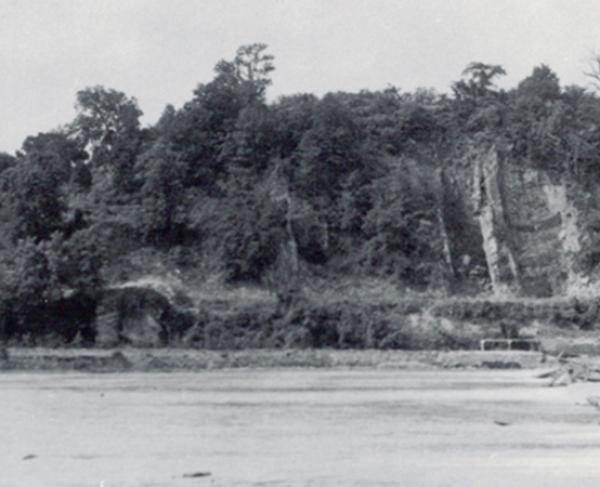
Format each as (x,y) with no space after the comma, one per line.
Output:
(159,50)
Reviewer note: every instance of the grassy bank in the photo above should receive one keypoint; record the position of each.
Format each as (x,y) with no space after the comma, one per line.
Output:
(156,313)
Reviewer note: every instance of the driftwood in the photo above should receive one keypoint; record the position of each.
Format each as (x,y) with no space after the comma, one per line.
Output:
(594,401)
(571,371)
(196,475)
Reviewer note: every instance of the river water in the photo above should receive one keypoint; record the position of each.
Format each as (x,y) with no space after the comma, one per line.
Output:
(296,428)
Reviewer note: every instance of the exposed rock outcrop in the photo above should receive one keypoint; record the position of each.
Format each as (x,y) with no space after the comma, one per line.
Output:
(530,225)
(497,237)
(139,316)
(558,199)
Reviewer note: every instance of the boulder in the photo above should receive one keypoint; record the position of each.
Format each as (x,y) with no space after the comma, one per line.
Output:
(139,317)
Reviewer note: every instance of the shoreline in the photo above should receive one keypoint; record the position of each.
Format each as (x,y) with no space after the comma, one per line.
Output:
(195,360)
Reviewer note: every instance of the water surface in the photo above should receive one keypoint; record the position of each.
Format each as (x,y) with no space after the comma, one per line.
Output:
(297,427)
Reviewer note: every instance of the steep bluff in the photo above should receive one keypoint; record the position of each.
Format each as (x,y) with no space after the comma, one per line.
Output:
(497,237)
(531,228)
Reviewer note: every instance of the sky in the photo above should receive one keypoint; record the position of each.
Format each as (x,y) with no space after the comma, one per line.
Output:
(160,50)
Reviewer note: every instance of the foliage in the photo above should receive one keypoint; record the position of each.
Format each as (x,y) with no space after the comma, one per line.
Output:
(108,123)
(35,197)
(401,228)
(163,195)
(252,233)
(348,181)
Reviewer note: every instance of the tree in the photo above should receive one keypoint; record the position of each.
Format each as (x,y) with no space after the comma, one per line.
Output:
(293,117)
(402,236)
(50,287)
(58,149)
(539,87)
(6,161)
(200,131)
(478,107)
(108,122)
(593,71)
(36,199)
(75,262)
(253,66)
(31,285)
(479,82)
(163,195)
(105,115)
(537,122)
(248,148)
(329,151)
(244,79)
(252,230)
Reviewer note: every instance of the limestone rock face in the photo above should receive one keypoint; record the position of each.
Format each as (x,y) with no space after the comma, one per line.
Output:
(498,244)
(138,316)
(512,228)
(530,226)
(569,234)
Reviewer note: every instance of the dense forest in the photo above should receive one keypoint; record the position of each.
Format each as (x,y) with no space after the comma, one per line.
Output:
(268,192)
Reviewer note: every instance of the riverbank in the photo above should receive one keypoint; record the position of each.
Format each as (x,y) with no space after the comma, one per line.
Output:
(163,359)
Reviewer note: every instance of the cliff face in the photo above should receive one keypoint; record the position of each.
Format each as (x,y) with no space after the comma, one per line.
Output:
(570,235)
(531,227)
(498,241)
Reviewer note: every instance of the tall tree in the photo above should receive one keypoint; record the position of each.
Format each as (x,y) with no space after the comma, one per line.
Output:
(108,123)
(200,129)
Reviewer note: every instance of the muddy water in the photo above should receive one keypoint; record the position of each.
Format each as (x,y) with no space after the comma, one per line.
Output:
(296,427)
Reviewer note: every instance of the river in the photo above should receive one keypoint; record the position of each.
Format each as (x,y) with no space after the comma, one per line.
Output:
(296,427)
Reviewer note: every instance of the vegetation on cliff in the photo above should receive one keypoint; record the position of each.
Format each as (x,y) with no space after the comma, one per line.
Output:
(368,184)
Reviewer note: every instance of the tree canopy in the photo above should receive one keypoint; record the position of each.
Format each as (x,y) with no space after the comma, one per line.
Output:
(352,178)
